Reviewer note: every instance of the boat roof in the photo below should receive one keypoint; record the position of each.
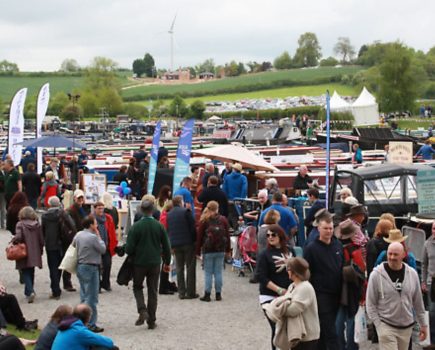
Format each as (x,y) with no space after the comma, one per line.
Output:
(386,170)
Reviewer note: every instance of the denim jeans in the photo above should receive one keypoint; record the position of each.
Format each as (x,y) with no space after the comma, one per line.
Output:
(54,258)
(342,321)
(431,307)
(89,278)
(213,265)
(29,279)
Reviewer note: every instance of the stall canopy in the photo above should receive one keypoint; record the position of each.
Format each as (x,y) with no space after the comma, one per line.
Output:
(338,104)
(238,154)
(365,109)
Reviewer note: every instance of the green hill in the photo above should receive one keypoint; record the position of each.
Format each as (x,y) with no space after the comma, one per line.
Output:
(244,83)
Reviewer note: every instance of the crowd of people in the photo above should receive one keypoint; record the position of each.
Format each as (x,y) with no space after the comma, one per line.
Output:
(310,291)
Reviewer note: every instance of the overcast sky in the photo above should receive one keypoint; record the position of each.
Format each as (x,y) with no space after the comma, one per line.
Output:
(38,35)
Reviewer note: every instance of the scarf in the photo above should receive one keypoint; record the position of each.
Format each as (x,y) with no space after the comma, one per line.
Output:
(101,221)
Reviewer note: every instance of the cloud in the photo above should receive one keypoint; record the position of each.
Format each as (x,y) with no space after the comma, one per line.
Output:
(39,35)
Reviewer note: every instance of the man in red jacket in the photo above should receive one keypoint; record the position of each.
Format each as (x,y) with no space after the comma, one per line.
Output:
(106,227)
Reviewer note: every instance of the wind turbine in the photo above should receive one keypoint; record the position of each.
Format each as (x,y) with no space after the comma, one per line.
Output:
(171,32)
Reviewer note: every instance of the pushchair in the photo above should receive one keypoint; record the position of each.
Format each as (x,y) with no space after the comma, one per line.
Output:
(244,254)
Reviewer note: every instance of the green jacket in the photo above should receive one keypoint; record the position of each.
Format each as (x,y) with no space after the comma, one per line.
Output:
(11,179)
(148,241)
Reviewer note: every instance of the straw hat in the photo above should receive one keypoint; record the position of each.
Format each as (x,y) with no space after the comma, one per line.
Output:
(345,230)
(357,209)
(395,236)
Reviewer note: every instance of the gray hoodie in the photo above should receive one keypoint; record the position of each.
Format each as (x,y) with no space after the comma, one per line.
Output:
(384,303)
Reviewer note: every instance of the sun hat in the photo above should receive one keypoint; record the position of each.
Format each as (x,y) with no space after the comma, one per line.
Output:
(345,230)
(357,209)
(395,236)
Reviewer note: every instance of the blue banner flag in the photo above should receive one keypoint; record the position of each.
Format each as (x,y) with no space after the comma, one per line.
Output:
(328,142)
(182,163)
(153,158)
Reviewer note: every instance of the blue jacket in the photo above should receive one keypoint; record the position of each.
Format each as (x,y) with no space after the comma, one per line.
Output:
(181,227)
(78,337)
(235,185)
(187,198)
(426,152)
(287,221)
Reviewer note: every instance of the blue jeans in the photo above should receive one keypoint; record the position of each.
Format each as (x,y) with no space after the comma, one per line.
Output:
(431,307)
(29,278)
(213,265)
(344,320)
(89,278)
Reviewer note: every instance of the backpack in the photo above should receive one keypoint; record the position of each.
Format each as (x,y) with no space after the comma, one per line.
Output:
(67,232)
(215,238)
(50,192)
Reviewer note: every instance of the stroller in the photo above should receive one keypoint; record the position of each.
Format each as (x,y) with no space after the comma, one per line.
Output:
(245,253)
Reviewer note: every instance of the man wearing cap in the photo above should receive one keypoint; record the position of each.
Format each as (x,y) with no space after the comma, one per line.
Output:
(83,158)
(325,257)
(148,243)
(394,301)
(236,184)
(358,215)
(353,283)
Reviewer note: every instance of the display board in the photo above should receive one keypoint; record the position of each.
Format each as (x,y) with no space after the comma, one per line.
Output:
(94,185)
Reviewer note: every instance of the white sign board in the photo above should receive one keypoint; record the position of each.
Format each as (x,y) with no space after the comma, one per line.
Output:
(426,191)
(400,152)
(292,159)
(94,185)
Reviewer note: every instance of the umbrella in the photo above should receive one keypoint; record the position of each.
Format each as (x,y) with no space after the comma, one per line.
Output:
(247,158)
(54,141)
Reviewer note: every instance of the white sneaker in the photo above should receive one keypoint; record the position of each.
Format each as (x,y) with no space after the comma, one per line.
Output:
(31,298)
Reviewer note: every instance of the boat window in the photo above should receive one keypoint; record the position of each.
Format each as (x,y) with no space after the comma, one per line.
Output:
(344,180)
(411,196)
(383,191)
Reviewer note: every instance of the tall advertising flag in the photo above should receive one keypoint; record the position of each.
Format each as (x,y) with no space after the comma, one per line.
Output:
(328,142)
(16,126)
(153,160)
(41,110)
(182,167)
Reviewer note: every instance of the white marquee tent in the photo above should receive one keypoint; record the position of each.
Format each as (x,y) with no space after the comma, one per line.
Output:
(338,104)
(365,109)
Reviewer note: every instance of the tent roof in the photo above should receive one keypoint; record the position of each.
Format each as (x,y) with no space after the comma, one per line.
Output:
(247,158)
(364,99)
(337,102)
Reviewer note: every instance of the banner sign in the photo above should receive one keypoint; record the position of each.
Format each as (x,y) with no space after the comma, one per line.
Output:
(41,110)
(182,163)
(16,126)
(426,191)
(153,158)
(400,152)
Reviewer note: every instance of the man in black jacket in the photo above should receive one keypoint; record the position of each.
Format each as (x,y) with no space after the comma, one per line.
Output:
(316,205)
(213,193)
(55,242)
(32,185)
(182,235)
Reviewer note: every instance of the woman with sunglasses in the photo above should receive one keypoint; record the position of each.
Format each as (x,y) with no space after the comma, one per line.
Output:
(271,268)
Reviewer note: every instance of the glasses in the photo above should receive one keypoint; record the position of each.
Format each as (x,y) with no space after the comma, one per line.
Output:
(272,234)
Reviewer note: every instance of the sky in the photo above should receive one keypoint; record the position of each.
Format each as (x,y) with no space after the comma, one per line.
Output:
(39,35)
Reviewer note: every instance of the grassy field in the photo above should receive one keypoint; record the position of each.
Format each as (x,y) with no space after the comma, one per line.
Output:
(298,76)
(311,90)
(10,85)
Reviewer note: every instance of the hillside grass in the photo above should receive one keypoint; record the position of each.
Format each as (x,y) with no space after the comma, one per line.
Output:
(310,90)
(290,77)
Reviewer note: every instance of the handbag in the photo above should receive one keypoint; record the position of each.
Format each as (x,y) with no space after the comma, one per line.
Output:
(70,260)
(360,332)
(125,274)
(16,251)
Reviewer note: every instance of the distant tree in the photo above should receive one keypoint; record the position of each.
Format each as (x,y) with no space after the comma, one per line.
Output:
(30,107)
(2,108)
(197,109)
(101,74)
(139,67)
(159,109)
(344,49)
(241,69)
(362,50)
(178,108)
(265,66)
(309,51)
(399,79)
(89,104)
(111,100)
(328,62)
(208,66)
(192,72)
(71,113)
(8,67)
(231,69)
(135,110)
(57,103)
(69,65)
(373,55)
(283,61)
(149,65)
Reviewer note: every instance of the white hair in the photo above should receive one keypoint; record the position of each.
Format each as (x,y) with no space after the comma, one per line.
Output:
(107,199)
(272,181)
(351,200)
(54,202)
(263,192)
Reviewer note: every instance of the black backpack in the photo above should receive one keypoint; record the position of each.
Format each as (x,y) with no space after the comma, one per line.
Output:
(67,231)
(215,238)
